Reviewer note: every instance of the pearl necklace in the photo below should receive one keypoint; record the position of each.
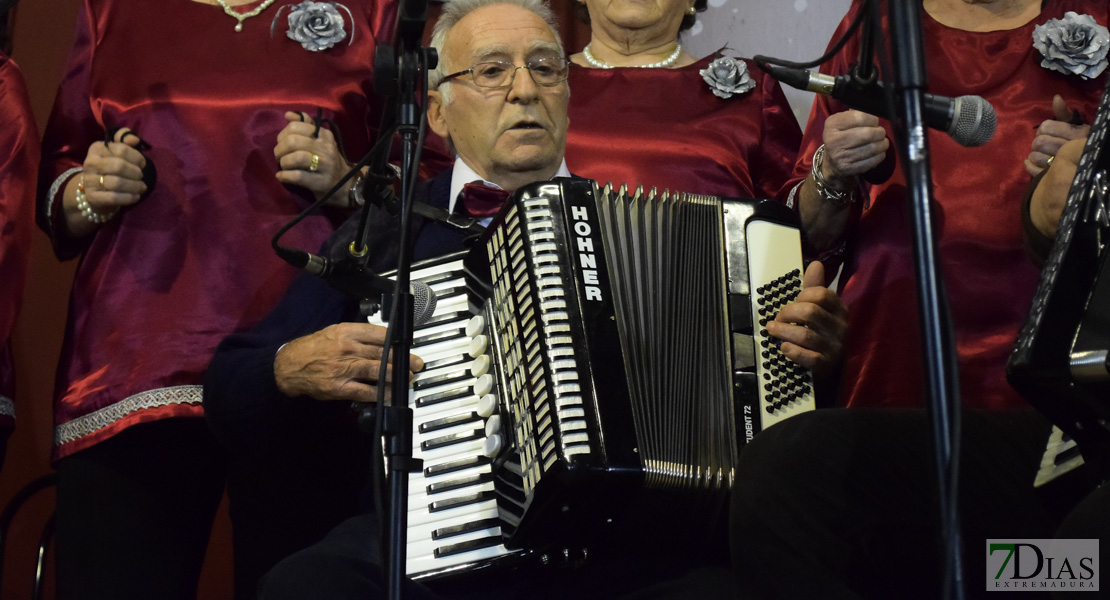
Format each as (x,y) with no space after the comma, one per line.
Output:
(666,62)
(240,17)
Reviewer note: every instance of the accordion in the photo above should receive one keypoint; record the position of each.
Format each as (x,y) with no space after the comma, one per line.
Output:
(1060,360)
(594,345)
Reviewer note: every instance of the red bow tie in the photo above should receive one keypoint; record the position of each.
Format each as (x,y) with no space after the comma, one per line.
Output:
(479,201)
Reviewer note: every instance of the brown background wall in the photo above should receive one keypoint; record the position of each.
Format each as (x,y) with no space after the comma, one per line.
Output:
(43,31)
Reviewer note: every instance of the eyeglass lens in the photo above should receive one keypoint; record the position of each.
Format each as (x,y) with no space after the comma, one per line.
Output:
(544,71)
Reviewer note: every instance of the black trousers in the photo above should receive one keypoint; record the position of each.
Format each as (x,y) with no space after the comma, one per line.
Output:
(841,503)
(134,513)
(347,564)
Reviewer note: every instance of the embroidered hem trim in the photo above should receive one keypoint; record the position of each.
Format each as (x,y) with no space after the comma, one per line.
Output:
(7,407)
(97,420)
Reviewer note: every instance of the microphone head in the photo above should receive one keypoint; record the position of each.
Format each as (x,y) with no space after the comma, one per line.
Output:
(423,302)
(974,121)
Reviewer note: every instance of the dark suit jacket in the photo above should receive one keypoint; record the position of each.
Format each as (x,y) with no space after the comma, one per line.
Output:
(297,466)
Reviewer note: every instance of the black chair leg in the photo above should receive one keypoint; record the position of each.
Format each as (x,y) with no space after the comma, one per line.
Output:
(40,563)
(8,515)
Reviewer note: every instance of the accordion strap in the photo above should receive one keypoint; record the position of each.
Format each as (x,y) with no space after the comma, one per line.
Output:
(458,222)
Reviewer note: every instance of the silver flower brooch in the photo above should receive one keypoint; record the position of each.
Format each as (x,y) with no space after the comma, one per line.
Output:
(317,26)
(727,76)
(1075,45)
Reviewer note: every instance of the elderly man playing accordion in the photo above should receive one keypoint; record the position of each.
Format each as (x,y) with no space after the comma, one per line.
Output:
(283,391)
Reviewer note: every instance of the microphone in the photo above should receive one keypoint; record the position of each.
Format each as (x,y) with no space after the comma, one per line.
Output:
(355,280)
(969,120)
(424,302)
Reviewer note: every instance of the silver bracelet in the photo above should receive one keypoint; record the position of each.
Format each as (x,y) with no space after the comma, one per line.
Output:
(839,199)
(354,192)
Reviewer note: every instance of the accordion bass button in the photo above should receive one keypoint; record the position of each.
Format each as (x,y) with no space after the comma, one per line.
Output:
(492,446)
(478,346)
(487,405)
(476,325)
(484,385)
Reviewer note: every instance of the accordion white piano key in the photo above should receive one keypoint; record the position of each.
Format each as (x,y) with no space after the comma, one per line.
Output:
(450,436)
(429,417)
(442,350)
(440,409)
(446,548)
(493,425)
(419,482)
(421,509)
(470,448)
(470,370)
(483,385)
(421,500)
(487,405)
(492,445)
(420,536)
(478,345)
(475,325)
(448,387)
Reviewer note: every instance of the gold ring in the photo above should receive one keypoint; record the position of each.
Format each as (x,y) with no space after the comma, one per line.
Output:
(1048,163)
(102,182)
(314,164)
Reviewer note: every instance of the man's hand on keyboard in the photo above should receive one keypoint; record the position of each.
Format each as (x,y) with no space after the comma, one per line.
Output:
(339,362)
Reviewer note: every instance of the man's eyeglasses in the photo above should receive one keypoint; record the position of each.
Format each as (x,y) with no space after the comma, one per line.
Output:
(544,71)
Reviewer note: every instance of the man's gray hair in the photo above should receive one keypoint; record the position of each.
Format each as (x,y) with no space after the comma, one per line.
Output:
(455,10)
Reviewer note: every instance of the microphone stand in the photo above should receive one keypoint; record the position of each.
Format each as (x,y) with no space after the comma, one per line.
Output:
(393,423)
(942,380)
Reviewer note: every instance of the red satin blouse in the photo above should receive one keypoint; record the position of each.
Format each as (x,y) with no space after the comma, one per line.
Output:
(989,278)
(19,159)
(664,128)
(162,283)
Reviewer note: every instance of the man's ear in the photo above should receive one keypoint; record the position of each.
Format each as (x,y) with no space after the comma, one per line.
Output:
(436,119)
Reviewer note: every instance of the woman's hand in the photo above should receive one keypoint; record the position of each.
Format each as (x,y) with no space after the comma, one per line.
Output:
(1052,134)
(111,178)
(812,327)
(313,163)
(854,144)
(1051,194)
